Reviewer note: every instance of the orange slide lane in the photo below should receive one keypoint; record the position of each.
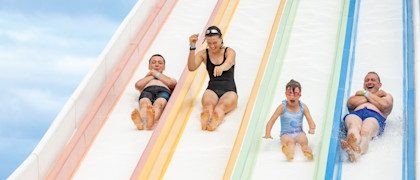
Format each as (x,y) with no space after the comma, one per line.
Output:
(83,138)
(248,111)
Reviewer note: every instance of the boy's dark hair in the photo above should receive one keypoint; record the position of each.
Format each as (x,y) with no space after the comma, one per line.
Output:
(159,56)
(293,85)
(372,72)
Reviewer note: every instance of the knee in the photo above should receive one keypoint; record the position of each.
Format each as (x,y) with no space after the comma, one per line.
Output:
(220,107)
(365,132)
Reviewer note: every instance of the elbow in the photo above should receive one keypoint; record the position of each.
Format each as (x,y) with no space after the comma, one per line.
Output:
(191,68)
(172,85)
(137,86)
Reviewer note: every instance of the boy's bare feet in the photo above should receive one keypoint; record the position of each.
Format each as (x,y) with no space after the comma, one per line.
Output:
(347,147)
(205,117)
(135,116)
(352,141)
(286,152)
(214,122)
(150,117)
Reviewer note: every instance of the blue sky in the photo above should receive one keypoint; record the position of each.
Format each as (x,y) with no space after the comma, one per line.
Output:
(46,49)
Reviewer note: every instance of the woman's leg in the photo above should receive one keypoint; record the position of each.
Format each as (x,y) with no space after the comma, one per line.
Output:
(208,101)
(226,103)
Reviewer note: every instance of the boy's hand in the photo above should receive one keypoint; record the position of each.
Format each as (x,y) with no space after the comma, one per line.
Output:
(267,137)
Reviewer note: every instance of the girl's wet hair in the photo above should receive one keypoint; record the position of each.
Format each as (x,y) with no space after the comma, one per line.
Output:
(159,56)
(293,85)
(213,31)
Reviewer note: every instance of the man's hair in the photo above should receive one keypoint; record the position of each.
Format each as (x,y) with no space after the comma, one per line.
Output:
(293,85)
(159,56)
(372,72)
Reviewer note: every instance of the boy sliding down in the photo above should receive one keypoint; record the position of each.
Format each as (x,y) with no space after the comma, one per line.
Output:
(291,113)
(155,89)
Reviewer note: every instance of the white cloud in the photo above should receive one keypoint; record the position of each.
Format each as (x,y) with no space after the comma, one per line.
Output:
(39,100)
(73,65)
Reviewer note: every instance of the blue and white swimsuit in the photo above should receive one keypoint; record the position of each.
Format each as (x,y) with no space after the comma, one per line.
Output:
(291,123)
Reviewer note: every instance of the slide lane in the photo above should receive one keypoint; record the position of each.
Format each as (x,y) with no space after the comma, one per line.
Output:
(297,48)
(379,45)
(203,154)
(119,145)
(250,105)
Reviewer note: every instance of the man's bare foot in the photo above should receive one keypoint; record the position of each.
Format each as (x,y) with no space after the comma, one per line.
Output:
(135,116)
(286,152)
(308,154)
(214,122)
(150,117)
(205,117)
(352,141)
(347,147)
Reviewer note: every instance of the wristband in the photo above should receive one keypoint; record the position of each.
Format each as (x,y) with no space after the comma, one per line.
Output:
(365,94)
(157,75)
(192,47)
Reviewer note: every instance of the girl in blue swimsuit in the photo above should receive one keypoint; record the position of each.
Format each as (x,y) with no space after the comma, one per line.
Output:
(291,113)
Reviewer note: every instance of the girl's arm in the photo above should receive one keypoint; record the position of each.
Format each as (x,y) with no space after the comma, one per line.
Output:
(272,120)
(308,117)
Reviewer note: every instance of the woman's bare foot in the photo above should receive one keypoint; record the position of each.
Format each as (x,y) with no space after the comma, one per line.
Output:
(215,121)
(150,117)
(205,117)
(135,116)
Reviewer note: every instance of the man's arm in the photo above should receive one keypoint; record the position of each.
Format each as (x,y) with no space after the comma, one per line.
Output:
(355,101)
(140,84)
(170,82)
(384,103)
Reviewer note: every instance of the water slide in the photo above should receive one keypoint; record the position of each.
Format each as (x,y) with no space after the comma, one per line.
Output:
(327,46)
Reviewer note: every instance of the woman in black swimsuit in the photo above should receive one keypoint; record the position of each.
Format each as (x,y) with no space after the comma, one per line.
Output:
(220,96)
